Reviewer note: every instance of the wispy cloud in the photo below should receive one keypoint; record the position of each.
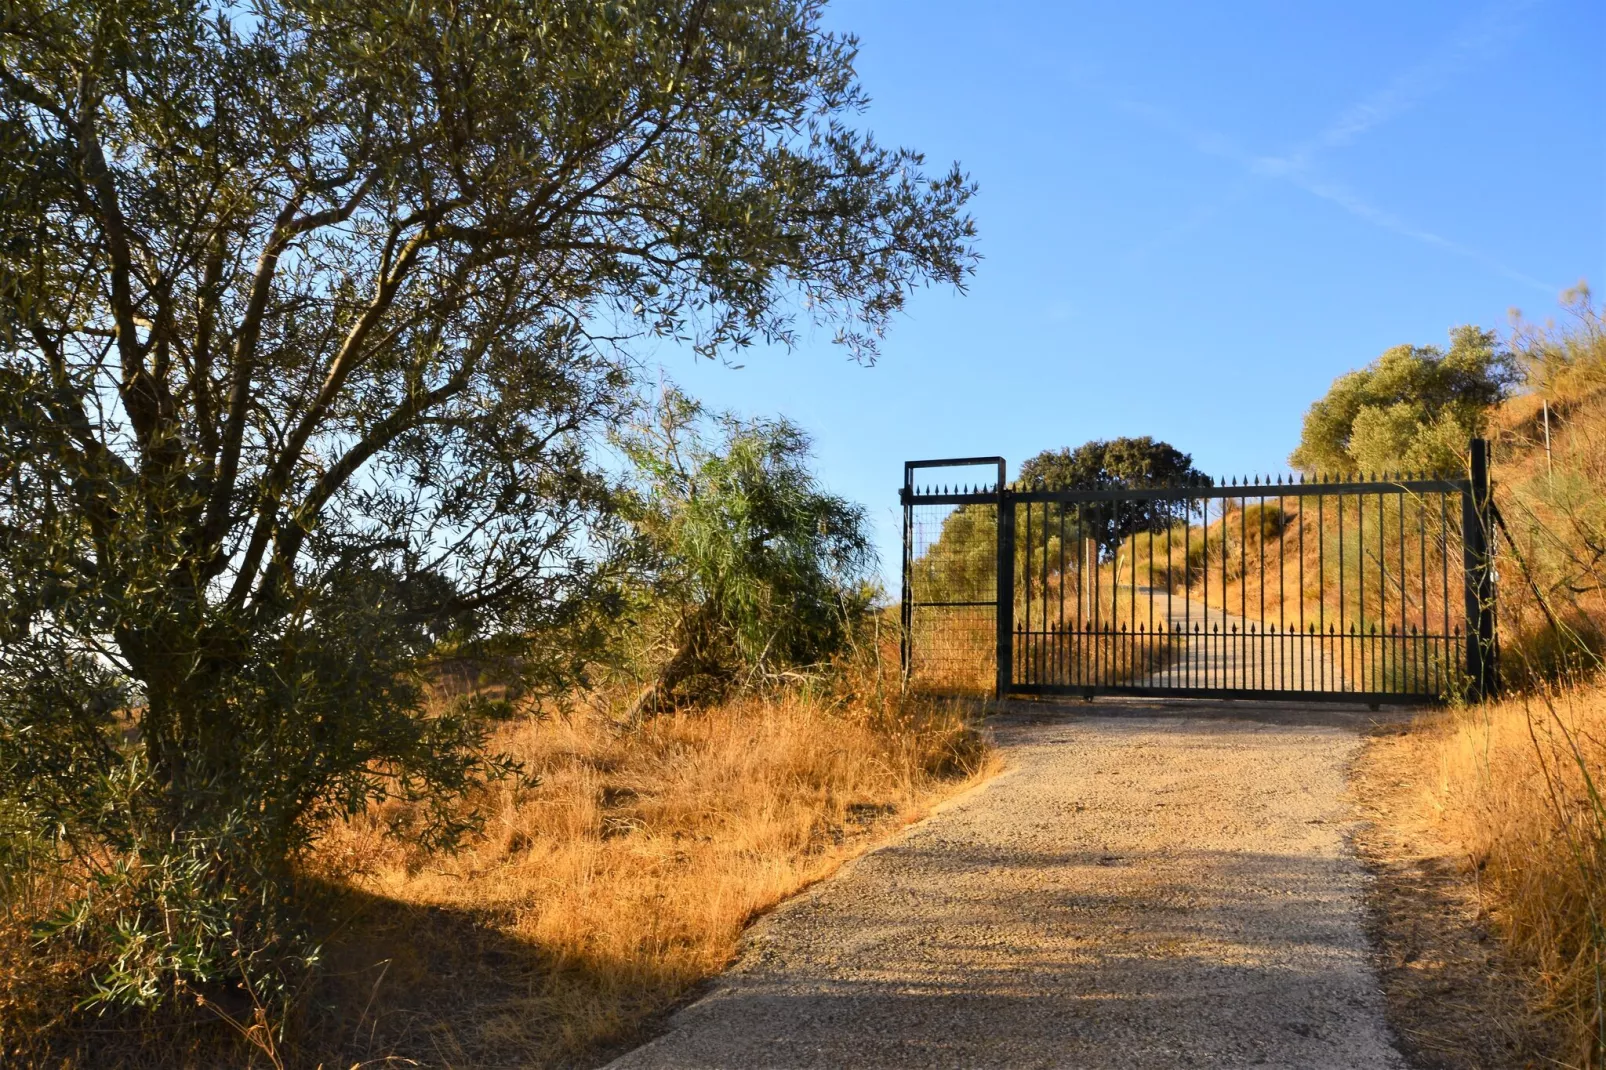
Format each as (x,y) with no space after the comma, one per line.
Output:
(1195,219)
(1474,43)
(1346,199)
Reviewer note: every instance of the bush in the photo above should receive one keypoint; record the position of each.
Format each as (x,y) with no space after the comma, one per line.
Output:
(749,569)
(1552,501)
(1414,408)
(1517,785)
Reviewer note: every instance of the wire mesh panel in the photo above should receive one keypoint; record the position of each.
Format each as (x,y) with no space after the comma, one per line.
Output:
(1373,589)
(950,575)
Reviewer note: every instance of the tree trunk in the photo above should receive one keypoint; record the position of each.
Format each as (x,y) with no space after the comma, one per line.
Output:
(694,635)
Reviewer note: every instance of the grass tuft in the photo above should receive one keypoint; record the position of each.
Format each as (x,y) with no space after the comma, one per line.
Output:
(1514,787)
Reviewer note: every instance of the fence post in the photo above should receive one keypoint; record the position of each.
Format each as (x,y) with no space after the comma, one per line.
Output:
(1006,587)
(1478,561)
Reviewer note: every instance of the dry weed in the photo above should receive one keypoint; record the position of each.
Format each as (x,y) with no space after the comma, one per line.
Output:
(610,880)
(1514,785)
(622,874)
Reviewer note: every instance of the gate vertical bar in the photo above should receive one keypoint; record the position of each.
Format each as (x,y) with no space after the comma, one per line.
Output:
(1479,562)
(1006,585)
(1026,602)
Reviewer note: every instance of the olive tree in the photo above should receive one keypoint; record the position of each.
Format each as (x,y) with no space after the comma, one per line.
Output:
(309,312)
(1414,407)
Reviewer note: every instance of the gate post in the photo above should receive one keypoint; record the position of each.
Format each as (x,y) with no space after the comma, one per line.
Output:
(1006,587)
(906,606)
(1478,561)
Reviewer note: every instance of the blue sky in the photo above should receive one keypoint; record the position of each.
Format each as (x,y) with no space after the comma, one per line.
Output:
(1195,216)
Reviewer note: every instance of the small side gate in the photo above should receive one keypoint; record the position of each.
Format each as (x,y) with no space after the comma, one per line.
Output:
(1369,589)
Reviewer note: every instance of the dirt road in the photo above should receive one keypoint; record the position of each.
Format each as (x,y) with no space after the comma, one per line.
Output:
(1139,889)
(1228,650)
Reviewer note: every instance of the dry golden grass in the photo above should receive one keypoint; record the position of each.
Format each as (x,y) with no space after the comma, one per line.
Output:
(609,881)
(1554,509)
(1455,996)
(1068,641)
(954,651)
(1276,566)
(1278,563)
(604,891)
(1511,786)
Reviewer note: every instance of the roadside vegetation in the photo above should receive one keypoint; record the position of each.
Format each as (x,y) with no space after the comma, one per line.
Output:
(360,621)
(1506,795)
(611,877)
(622,871)
(645,820)
(1518,783)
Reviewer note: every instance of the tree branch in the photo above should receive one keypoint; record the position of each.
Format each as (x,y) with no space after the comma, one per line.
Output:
(287,226)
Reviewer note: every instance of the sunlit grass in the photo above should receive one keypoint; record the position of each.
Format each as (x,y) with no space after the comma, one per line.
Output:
(625,873)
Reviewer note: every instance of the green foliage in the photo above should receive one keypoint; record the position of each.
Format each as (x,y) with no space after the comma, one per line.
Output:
(962,565)
(755,567)
(1120,462)
(1553,502)
(309,317)
(1414,408)
(161,922)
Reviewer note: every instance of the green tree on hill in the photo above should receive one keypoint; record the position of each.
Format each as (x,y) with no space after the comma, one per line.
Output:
(1119,462)
(1413,408)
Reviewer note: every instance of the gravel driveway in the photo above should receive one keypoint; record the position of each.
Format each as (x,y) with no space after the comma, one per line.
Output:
(1147,885)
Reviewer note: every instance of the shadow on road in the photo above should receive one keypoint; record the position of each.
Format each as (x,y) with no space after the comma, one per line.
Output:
(1355,718)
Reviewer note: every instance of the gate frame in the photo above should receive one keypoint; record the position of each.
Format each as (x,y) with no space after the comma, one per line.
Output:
(908,498)
(1481,663)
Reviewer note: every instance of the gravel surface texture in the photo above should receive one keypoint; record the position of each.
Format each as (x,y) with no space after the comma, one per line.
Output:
(1146,885)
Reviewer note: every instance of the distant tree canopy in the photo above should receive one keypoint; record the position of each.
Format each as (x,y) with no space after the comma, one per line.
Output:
(1118,462)
(1413,408)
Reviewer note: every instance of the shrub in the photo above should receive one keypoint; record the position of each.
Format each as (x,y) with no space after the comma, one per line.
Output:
(1415,407)
(751,568)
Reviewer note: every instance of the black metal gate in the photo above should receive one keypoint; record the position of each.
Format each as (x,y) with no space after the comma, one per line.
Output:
(1369,589)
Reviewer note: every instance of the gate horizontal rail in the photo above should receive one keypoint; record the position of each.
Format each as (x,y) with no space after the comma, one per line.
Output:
(1178,493)
(1370,698)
